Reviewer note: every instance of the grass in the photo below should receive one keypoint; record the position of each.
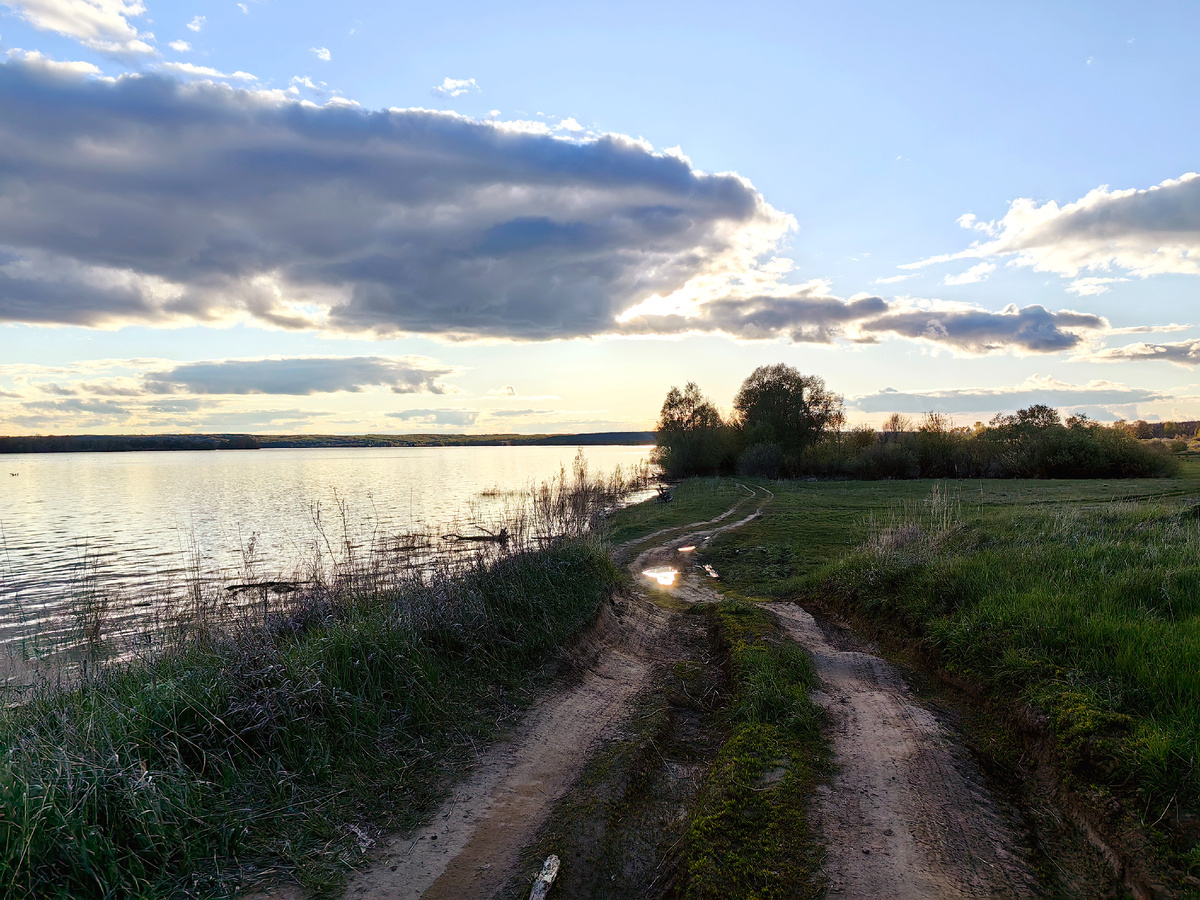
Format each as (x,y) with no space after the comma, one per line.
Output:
(695,500)
(749,836)
(1081,598)
(277,747)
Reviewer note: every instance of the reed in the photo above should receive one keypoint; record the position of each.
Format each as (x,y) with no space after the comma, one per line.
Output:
(273,737)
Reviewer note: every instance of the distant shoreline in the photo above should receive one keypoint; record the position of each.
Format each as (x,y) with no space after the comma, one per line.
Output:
(124,443)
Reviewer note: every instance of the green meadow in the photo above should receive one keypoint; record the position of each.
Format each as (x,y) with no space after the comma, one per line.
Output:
(1078,598)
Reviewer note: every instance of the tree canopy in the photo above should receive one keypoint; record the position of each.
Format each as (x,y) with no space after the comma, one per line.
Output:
(691,437)
(777,405)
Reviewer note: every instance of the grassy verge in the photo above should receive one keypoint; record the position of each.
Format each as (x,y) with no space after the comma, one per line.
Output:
(277,749)
(1092,615)
(695,500)
(749,836)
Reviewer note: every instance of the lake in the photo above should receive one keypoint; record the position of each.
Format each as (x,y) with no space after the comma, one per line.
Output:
(144,523)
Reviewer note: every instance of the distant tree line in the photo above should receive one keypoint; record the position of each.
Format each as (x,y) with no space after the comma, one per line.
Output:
(102,443)
(785,424)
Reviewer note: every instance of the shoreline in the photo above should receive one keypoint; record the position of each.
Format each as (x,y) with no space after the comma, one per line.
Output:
(102,443)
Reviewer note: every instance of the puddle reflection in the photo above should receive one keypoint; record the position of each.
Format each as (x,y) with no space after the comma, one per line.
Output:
(664,575)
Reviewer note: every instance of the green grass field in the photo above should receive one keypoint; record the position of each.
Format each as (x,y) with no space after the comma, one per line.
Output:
(1079,597)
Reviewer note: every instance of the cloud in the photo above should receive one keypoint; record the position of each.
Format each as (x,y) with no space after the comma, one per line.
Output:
(322,53)
(455,87)
(976,273)
(244,8)
(1087,287)
(1037,389)
(180,46)
(182,68)
(81,405)
(808,314)
(52,67)
(101,25)
(1140,232)
(302,375)
(1031,329)
(459,418)
(892,279)
(1183,353)
(152,201)
(197,23)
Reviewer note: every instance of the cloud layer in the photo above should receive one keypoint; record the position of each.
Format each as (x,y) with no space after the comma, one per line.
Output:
(146,200)
(302,375)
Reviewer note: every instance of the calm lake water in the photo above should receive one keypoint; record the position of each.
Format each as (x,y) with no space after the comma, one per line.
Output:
(143,522)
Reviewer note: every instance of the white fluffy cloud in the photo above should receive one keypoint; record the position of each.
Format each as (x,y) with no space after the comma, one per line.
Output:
(180,46)
(192,71)
(455,87)
(1138,232)
(977,272)
(322,53)
(197,23)
(101,25)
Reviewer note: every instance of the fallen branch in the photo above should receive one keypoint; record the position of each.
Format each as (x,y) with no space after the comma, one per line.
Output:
(541,884)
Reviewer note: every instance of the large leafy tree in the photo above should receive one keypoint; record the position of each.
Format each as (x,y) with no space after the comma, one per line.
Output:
(777,405)
(691,437)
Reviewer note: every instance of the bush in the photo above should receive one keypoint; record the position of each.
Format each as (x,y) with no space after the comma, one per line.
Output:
(762,461)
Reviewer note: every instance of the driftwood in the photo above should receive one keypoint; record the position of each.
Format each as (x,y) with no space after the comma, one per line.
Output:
(500,537)
(541,884)
(275,587)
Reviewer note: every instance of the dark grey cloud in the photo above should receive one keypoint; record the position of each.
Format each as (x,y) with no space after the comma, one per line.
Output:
(986,400)
(1182,353)
(460,418)
(302,375)
(808,316)
(1032,329)
(147,200)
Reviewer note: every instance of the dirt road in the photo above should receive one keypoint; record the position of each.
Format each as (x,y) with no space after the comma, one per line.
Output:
(907,815)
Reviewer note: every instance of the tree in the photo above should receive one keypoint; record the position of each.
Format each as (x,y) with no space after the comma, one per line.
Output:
(691,437)
(777,405)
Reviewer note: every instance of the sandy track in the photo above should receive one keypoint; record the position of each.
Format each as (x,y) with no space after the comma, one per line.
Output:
(470,846)
(908,815)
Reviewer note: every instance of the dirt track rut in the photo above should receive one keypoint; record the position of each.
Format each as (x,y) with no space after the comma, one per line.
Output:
(908,815)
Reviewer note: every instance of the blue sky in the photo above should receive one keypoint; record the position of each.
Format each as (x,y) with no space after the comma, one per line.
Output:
(384,217)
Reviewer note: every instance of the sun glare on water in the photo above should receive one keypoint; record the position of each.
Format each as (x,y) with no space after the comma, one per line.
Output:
(664,575)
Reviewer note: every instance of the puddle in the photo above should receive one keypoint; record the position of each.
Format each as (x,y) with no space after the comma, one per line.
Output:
(712,573)
(664,575)
(687,549)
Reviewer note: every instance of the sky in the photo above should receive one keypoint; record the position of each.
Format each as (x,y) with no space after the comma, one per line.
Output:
(289,217)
